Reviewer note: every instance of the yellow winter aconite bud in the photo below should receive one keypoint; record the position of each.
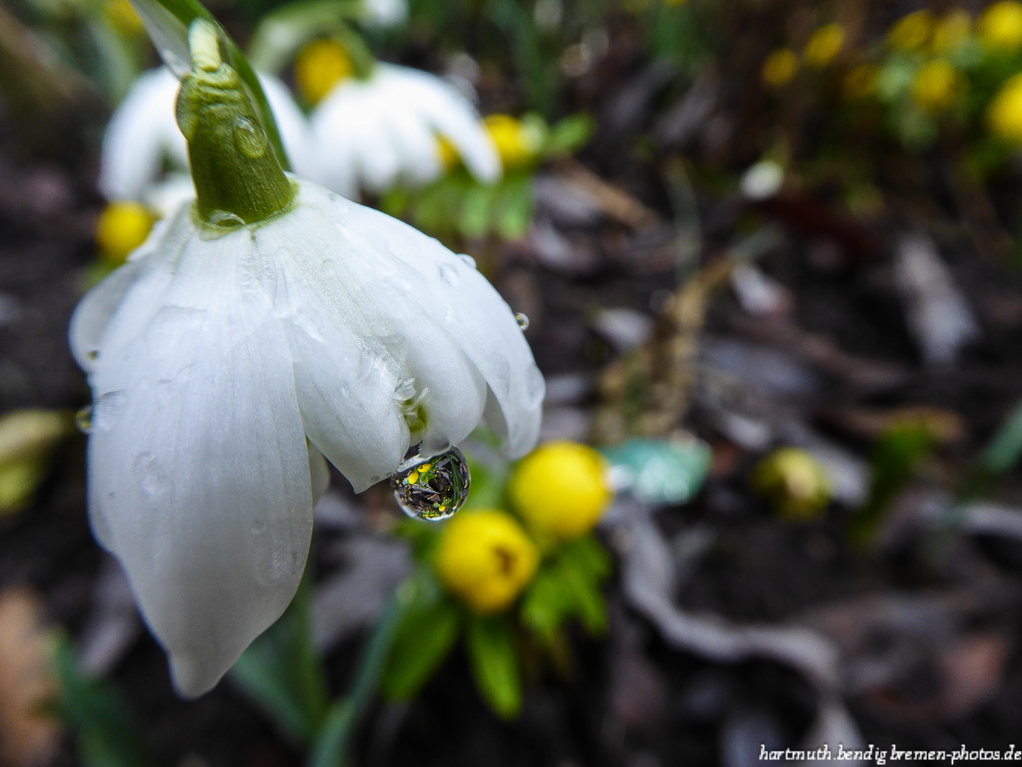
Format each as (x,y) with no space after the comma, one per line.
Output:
(122,227)
(123,17)
(824,45)
(561,489)
(936,85)
(485,559)
(999,27)
(951,32)
(514,143)
(794,482)
(780,67)
(911,32)
(319,67)
(860,82)
(1004,115)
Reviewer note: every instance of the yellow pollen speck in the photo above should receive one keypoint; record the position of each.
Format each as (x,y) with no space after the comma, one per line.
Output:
(319,67)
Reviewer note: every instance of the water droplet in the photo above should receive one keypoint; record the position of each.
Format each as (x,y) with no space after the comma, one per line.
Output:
(249,138)
(522,320)
(83,419)
(107,409)
(258,526)
(149,474)
(449,274)
(468,260)
(92,355)
(433,488)
(405,389)
(225,219)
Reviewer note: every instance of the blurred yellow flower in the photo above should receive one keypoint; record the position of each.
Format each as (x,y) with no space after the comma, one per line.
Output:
(27,438)
(794,482)
(561,489)
(780,67)
(514,142)
(936,85)
(860,82)
(448,155)
(485,559)
(999,27)
(1004,115)
(122,227)
(951,32)
(911,32)
(123,17)
(319,67)
(824,45)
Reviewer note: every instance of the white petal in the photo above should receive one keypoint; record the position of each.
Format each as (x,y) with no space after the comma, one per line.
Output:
(140,134)
(417,147)
(453,117)
(385,13)
(451,299)
(293,127)
(166,196)
(199,467)
(335,149)
(344,374)
(319,473)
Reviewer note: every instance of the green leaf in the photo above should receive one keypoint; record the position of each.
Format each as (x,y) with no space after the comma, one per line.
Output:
(474,218)
(426,632)
(569,135)
(546,605)
(108,734)
(1004,449)
(513,206)
(588,555)
(282,673)
(493,658)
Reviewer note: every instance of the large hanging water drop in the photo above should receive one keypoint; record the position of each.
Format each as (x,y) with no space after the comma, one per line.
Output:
(522,320)
(433,488)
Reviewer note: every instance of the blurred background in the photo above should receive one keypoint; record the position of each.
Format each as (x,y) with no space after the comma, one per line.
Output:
(769,254)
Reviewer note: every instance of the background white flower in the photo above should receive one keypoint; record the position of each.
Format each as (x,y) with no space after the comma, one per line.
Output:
(143,132)
(373,133)
(385,13)
(213,360)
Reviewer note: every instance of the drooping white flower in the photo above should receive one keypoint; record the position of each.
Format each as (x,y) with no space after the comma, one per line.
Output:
(376,132)
(143,133)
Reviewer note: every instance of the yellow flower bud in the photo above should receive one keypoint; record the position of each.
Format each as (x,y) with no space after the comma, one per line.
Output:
(448,155)
(123,17)
(319,67)
(911,32)
(122,227)
(951,32)
(561,489)
(485,559)
(794,482)
(936,85)
(780,67)
(824,45)
(999,27)
(1004,114)
(514,143)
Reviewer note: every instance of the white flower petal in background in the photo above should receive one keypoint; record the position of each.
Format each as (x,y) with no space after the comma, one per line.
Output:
(215,362)
(385,13)
(377,132)
(143,133)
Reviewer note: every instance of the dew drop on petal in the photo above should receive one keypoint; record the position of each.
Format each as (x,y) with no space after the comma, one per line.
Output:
(449,274)
(83,419)
(522,320)
(433,488)
(107,409)
(468,260)
(149,474)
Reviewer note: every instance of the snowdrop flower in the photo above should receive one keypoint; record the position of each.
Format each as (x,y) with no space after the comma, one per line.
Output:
(143,133)
(263,326)
(375,132)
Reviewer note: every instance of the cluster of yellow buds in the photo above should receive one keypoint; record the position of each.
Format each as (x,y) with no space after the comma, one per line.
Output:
(823,46)
(486,557)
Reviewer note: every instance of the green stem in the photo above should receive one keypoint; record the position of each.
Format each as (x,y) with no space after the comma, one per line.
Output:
(331,746)
(187,11)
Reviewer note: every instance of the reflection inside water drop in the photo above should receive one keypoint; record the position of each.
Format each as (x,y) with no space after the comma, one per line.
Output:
(522,320)
(433,488)
(83,419)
